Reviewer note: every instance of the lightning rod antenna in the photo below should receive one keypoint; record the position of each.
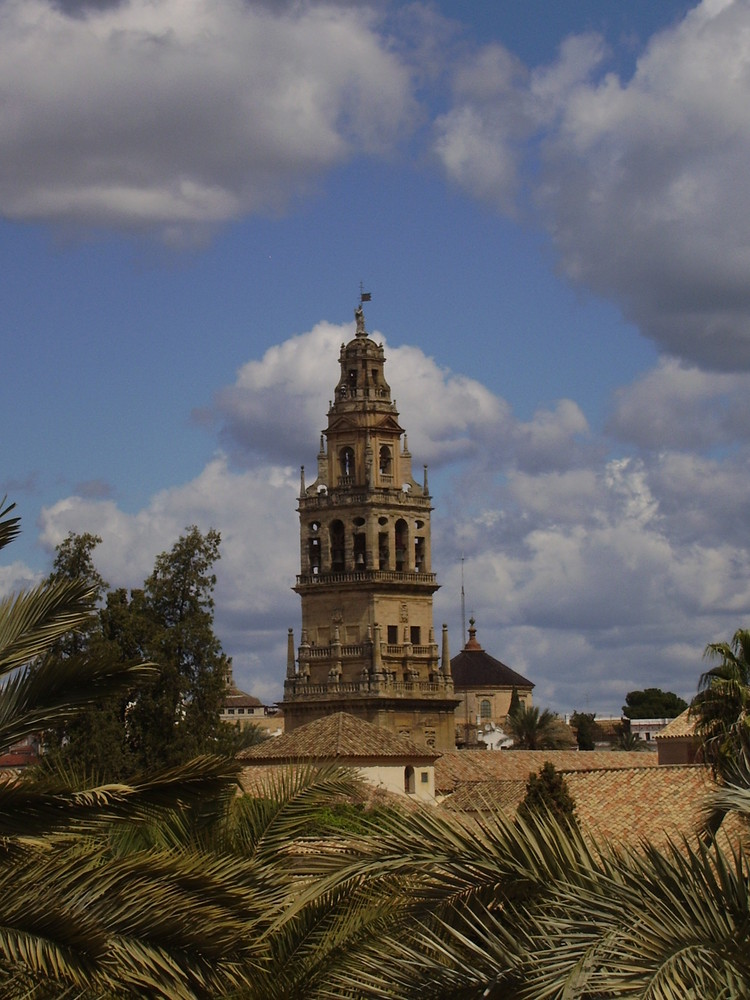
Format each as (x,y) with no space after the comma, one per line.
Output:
(463,602)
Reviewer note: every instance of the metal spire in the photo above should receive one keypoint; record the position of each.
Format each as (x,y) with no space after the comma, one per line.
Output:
(463,602)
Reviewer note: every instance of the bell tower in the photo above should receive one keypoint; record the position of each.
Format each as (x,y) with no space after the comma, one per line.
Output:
(368,643)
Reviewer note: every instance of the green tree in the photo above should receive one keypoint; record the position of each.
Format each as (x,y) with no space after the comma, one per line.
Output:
(627,740)
(535,729)
(721,705)
(74,560)
(515,702)
(95,741)
(166,887)
(653,703)
(586,729)
(171,621)
(547,796)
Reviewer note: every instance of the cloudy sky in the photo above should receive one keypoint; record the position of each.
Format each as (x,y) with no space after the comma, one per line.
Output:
(550,204)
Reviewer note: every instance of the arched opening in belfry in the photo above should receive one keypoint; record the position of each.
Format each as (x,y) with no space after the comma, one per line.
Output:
(313,549)
(402,541)
(383,550)
(419,552)
(337,546)
(386,462)
(360,551)
(346,458)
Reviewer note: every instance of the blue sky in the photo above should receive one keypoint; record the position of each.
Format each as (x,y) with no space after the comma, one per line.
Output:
(549,205)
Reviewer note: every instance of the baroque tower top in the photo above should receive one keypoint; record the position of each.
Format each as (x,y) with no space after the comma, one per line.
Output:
(366,583)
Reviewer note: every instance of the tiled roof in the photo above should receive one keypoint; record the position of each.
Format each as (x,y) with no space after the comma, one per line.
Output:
(457,766)
(476,668)
(473,667)
(339,737)
(234,698)
(625,806)
(654,804)
(474,796)
(683,725)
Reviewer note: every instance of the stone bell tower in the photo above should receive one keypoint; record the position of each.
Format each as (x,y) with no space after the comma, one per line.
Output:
(368,643)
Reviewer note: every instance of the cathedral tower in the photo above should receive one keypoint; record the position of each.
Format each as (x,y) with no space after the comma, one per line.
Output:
(368,644)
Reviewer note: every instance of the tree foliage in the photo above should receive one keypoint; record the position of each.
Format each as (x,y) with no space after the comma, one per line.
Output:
(653,703)
(721,705)
(586,729)
(169,621)
(547,796)
(179,715)
(532,728)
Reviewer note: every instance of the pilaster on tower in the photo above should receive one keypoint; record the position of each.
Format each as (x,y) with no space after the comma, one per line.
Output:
(366,582)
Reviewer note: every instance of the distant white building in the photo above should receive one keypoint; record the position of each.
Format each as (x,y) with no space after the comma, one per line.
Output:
(648,729)
(493,736)
(242,709)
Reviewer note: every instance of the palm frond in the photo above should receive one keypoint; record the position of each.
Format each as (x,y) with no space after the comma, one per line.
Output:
(38,809)
(44,694)
(32,621)
(10,527)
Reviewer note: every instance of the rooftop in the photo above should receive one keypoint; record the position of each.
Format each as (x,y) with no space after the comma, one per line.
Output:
(458,766)
(473,667)
(340,737)
(683,725)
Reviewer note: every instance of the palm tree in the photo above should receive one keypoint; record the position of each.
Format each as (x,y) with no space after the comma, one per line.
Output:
(79,916)
(535,729)
(723,701)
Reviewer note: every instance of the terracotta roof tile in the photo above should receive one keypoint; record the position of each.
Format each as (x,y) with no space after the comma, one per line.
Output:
(654,804)
(623,805)
(339,737)
(457,766)
(234,698)
(683,725)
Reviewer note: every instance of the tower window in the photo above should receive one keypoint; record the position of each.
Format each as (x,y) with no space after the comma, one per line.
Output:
(314,554)
(383,550)
(347,462)
(393,635)
(360,553)
(385,460)
(415,635)
(485,708)
(337,546)
(401,542)
(419,554)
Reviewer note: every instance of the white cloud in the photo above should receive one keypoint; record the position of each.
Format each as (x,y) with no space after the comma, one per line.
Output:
(277,406)
(679,406)
(645,185)
(255,513)
(179,114)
